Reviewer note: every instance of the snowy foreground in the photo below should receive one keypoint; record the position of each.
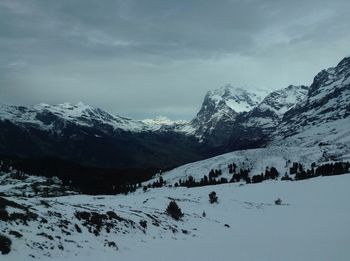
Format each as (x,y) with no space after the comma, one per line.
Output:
(311,224)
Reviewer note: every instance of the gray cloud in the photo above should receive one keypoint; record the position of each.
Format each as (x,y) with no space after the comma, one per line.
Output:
(143,58)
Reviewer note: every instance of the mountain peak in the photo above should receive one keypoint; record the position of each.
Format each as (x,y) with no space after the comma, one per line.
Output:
(66,106)
(236,98)
(326,81)
(69,111)
(327,100)
(256,125)
(282,100)
(220,108)
(226,90)
(344,62)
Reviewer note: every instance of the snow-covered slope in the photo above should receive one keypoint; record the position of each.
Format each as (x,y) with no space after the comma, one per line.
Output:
(310,224)
(256,160)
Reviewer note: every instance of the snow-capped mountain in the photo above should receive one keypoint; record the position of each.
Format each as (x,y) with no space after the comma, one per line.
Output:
(86,134)
(269,113)
(236,98)
(92,136)
(163,123)
(252,129)
(281,101)
(325,110)
(230,119)
(55,117)
(220,107)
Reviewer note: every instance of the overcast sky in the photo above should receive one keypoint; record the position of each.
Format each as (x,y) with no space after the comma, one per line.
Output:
(146,58)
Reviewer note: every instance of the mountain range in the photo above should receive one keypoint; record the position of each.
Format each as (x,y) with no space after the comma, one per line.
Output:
(230,118)
(299,133)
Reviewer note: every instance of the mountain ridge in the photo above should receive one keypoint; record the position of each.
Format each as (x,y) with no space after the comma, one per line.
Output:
(230,119)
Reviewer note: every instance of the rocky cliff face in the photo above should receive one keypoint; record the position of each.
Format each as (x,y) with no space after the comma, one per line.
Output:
(215,120)
(326,101)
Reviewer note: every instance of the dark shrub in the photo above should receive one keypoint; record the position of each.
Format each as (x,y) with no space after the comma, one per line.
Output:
(278,201)
(4,215)
(112,215)
(143,223)
(77,228)
(82,215)
(16,234)
(5,245)
(257,178)
(223,180)
(212,197)
(23,217)
(174,210)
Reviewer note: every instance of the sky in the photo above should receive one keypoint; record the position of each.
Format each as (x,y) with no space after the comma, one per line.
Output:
(146,58)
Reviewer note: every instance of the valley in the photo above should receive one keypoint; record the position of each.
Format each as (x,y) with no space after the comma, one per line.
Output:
(249,177)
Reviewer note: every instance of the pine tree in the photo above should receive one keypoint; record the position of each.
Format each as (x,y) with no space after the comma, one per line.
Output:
(174,210)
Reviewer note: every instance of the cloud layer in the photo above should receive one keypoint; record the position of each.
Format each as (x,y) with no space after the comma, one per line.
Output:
(143,58)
